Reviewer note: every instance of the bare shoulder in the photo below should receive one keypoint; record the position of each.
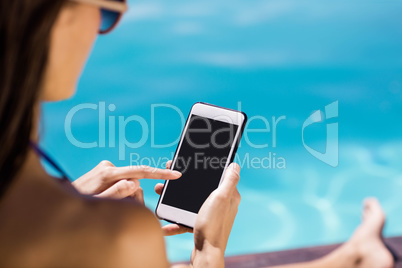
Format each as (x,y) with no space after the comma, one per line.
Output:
(134,236)
(124,214)
(76,231)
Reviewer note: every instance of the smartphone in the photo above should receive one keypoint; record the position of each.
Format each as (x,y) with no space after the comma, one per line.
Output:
(207,146)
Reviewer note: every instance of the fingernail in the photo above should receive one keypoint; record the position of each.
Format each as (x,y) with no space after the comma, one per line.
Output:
(235,167)
(176,173)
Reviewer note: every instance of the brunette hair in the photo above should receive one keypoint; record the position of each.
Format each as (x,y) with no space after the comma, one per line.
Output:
(25,28)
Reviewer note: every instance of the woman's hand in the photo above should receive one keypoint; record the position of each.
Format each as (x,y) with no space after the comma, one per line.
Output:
(106,180)
(215,220)
(171,229)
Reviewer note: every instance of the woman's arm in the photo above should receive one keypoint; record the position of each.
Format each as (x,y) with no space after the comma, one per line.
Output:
(214,222)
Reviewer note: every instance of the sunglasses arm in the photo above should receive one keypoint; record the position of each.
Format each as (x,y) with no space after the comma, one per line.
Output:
(106,4)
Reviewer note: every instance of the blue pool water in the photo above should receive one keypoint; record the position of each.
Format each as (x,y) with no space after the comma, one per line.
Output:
(274,58)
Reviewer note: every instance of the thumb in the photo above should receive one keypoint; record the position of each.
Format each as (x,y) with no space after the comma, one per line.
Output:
(230,179)
(120,189)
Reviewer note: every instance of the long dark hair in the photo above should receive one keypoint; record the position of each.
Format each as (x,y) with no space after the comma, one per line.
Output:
(25,29)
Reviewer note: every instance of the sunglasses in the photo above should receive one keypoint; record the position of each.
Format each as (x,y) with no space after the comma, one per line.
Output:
(111,11)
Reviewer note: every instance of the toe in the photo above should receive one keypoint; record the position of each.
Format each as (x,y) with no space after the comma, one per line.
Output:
(372,206)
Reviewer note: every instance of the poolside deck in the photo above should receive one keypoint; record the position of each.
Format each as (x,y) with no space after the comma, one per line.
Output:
(298,255)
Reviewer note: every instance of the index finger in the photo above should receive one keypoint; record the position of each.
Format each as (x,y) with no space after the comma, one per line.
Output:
(231,179)
(142,172)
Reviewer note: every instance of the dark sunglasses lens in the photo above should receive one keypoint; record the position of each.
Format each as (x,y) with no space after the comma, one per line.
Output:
(109,19)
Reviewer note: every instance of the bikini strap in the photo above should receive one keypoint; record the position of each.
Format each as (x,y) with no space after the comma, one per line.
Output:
(50,161)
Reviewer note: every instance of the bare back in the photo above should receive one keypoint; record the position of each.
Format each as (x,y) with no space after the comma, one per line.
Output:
(43,224)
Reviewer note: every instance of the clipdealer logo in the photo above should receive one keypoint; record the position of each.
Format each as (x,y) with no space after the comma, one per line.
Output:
(107,123)
(331,154)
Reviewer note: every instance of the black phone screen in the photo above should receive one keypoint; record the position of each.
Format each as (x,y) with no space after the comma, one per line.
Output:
(201,159)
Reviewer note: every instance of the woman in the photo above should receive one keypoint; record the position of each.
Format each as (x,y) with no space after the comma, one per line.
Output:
(46,223)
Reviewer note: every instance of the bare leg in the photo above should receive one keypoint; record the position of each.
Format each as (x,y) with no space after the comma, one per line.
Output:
(365,249)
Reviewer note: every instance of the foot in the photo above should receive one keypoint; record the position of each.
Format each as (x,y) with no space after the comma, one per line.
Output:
(367,239)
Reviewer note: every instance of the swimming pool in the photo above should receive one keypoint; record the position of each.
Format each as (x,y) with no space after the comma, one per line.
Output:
(276,59)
